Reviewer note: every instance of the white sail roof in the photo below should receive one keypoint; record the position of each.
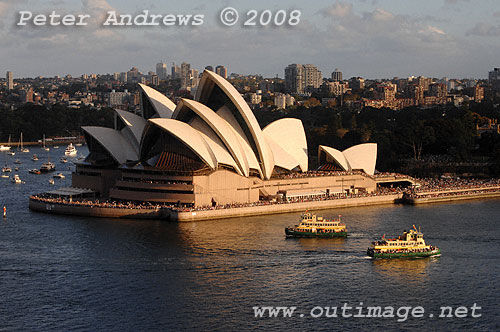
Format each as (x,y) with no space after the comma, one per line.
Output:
(362,156)
(219,126)
(250,157)
(290,136)
(220,152)
(335,156)
(189,136)
(134,124)
(114,142)
(265,154)
(163,106)
(282,158)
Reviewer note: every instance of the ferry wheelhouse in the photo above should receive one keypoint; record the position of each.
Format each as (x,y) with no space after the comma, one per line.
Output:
(311,225)
(410,244)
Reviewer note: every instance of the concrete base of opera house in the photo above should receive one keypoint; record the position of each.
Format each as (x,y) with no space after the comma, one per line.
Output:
(100,212)
(451,198)
(167,214)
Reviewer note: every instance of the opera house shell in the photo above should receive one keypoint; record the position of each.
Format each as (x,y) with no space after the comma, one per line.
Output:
(211,150)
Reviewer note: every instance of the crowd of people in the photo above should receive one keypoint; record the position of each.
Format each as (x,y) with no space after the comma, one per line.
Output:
(428,188)
(453,184)
(470,192)
(98,203)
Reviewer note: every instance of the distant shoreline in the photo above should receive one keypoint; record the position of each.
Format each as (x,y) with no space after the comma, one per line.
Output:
(47,143)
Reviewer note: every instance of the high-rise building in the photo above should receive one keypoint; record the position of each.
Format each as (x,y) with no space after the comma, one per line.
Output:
(116,76)
(478,93)
(161,70)
(26,96)
(221,71)
(133,74)
(336,88)
(155,80)
(494,75)
(357,83)
(124,76)
(195,78)
(337,75)
(185,75)
(10,81)
(175,71)
(118,98)
(313,76)
(299,78)
(294,78)
(494,78)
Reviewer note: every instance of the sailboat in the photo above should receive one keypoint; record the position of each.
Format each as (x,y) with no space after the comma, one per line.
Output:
(5,147)
(21,147)
(6,168)
(48,166)
(44,147)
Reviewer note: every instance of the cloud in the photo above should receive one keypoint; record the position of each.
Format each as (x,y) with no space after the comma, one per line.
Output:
(338,9)
(484,30)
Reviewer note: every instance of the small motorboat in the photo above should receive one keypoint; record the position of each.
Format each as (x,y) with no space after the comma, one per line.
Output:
(34,171)
(59,176)
(6,169)
(17,162)
(63,160)
(34,158)
(51,181)
(16,179)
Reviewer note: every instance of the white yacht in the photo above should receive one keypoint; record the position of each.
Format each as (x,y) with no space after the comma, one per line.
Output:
(48,167)
(70,150)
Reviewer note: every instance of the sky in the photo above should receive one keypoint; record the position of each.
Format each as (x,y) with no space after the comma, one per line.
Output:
(367,38)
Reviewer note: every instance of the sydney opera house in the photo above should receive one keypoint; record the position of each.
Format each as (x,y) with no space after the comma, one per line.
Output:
(212,151)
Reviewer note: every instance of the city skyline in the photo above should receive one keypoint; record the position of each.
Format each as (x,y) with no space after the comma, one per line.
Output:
(372,39)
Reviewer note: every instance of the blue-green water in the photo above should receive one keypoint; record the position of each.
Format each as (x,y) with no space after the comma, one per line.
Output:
(71,273)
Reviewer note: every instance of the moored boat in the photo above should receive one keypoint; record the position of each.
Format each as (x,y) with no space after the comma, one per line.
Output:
(313,226)
(70,150)
(34,171)
(47,167)
(410,244)
(34,158)
(16,179)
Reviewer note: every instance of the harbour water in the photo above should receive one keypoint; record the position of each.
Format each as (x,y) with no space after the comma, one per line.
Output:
(82,274)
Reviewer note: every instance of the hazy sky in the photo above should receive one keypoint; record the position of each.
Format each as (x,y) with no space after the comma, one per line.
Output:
(372,39)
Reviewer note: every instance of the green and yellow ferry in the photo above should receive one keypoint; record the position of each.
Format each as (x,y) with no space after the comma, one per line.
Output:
(410,244)
(318,227)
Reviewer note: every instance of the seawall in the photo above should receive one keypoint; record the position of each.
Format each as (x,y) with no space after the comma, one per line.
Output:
(282,208)
(167,214)
(451,198)
(100,212)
